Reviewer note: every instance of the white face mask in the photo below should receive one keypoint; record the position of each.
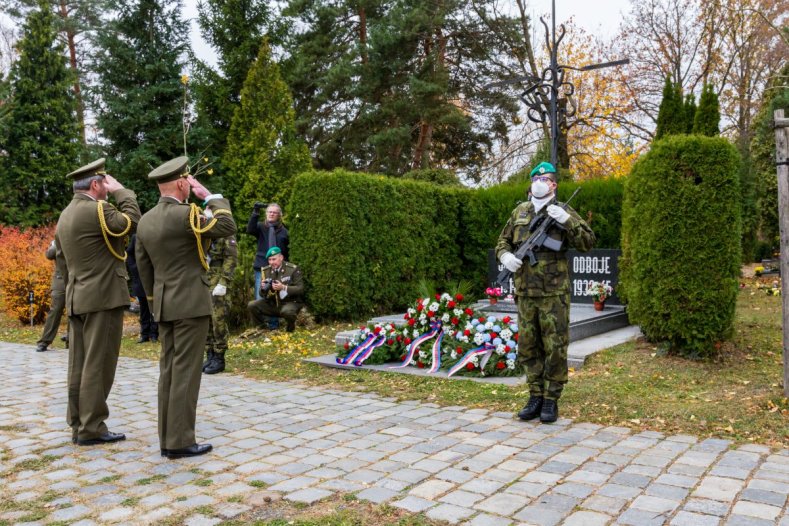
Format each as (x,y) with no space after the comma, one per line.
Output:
(540,189)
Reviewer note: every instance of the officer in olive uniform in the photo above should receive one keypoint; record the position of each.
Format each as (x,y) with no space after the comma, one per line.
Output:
(543,292)
(222,260)
(58,300)
(172,240)
(91,235)
(281,291)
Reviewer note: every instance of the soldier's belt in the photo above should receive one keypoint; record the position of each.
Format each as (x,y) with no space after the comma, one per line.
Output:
(550,255)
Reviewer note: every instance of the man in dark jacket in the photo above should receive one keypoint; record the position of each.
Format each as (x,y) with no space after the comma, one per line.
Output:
(269,233)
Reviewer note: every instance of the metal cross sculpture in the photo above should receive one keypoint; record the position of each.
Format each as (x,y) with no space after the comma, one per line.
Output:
(551,86)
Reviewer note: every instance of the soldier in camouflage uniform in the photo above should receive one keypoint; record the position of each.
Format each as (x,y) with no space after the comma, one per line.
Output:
(222,259)
(543,292)
(281,291)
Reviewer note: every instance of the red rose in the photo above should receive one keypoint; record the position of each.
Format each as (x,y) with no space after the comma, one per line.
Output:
(506,319)
(470,366)
(377,330)
(455,320)
(468,311)
(482,319)
(438,297)
(459,350)
(407,316)
(459,297)
(467,333)
(389,341)
(501,365)
(430,314)
(451,304)
(411,322)
(402,358)
(516,336)
(399,338)
(407,341)
(419,307)
(362,327)
(347,346)
(507,348)
(420,365)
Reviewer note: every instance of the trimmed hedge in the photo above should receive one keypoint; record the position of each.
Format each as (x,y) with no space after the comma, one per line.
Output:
(364,241)
(681,242)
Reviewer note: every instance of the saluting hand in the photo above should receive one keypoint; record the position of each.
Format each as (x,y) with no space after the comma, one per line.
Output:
(200,191)
(112,184)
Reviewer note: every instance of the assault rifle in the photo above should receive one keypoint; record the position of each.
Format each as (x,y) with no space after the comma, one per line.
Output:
(539,238)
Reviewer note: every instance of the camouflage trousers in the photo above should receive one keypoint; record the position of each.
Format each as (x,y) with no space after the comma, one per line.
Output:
(217,327)
(543,336)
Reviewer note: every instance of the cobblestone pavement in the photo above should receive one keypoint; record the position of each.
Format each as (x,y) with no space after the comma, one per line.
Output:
(304,444)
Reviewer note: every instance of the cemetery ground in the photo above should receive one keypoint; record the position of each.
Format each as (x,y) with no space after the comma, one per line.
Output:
(735,396)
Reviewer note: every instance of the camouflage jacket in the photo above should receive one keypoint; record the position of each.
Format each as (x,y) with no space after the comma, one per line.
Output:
(290,275)
(222,260)
(550,276)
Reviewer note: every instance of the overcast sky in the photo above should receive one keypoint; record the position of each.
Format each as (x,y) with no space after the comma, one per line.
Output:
(599,18)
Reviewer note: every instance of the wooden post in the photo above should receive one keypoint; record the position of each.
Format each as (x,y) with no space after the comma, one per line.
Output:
(782,165)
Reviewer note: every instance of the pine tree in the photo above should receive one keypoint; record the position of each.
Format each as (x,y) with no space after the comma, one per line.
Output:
(708,113)
(690,112)
(140,92)
(671,114)
(263,152)
(42,139)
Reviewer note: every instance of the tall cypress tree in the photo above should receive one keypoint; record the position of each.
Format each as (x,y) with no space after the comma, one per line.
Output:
(690,113)
(263,152)
(671,114)
(42,141)
(139,94)
(708,114)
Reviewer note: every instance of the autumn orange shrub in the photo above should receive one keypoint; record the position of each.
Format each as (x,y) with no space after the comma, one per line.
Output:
(25,268)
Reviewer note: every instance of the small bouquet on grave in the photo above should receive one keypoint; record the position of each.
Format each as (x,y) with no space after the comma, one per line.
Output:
(599,291)
(494,293)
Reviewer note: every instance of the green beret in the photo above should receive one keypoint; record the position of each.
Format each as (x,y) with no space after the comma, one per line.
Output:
(544,169)
(89,170)
(273,251)
(171,170)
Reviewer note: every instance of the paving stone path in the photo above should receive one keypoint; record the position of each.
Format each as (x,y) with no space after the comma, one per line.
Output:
(467,466)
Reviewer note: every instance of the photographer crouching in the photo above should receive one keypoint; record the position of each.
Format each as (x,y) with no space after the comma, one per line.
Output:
(281,291)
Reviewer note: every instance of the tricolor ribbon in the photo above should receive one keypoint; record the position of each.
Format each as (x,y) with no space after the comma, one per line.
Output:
(435,329)
(369,351)
(358,350)
(484,349)
(437,352)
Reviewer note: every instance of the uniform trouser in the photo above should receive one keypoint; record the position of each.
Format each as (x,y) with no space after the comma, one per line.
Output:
(180,371)
(272,322)
(543,336)
(148,326)
(217,328)
(53,317)
(261,309)
(94,344)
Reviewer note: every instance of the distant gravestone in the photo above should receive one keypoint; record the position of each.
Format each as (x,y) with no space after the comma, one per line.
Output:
(600,264)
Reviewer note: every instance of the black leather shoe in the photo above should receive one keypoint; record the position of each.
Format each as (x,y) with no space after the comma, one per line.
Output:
(154,339)
(216,365)
(164,452)
(41,347)
(191,451)
(291,326)
(550,411)
(143,339)
(208,360)
(532,408)
(106,438)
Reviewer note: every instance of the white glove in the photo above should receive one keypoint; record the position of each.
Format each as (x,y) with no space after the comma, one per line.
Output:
(219,290)
(509,260)
(558,213)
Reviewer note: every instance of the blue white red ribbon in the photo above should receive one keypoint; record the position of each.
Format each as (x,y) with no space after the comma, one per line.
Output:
(358,350)
(479,351)
(369,351)
(435,329)
(437,352)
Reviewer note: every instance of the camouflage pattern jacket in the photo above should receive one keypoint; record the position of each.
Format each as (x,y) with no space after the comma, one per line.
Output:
(222,260)
(550,277)
(290,275)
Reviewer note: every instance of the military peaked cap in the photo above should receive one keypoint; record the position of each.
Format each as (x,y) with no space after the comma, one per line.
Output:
(273,251)
(89,170)
(544,169)
(171,170)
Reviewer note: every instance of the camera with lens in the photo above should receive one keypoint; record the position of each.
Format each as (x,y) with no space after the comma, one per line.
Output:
(258,205)
(265,287)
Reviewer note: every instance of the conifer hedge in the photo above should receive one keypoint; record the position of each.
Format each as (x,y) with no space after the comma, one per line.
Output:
(364,241)
(681,242)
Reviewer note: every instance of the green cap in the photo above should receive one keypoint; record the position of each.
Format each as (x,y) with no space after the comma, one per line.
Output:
(89,170)
(544,169)
(171,170)
(273,251)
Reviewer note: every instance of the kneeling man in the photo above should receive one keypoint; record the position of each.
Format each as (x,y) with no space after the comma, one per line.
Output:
(281,291)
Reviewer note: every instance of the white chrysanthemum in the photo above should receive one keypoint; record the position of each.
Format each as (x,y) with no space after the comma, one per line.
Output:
(505,334)
(413,362)
(411,311)
(446,297)
(422,317)
(426,302)
(479,338)
(422,354)
(469,326)
(488,325)
(416,333)
(445,317)
(475,360)
(457,312)
(453,355)
(500,349)
(434,306)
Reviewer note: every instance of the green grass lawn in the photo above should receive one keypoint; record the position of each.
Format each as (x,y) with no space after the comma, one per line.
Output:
(737,395)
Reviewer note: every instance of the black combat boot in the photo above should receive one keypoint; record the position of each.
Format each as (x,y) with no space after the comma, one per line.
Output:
(216,365)
(532,408)
(291,326)
(550,411)
(209,359)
